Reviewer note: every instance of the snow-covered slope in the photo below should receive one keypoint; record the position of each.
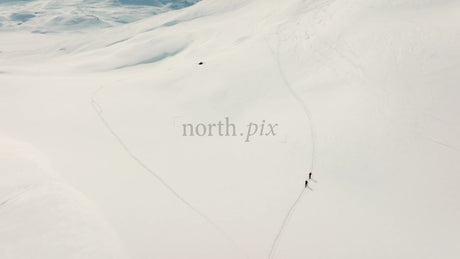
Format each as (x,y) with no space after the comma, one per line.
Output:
(364,93)
(43,217)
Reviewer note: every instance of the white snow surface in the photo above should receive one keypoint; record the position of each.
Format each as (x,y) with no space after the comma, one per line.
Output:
(93,163)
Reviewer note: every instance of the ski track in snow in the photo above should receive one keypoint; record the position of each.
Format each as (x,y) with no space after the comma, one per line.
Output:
(98,108)
(17,194)
(453,148)
(284,224)
(298,100)
(308,116)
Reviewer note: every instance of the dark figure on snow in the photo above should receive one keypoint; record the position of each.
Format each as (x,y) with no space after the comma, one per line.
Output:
(306,183)
(309,176)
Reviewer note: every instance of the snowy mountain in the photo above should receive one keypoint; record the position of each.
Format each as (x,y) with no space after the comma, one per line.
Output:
(51,16)
(99,99)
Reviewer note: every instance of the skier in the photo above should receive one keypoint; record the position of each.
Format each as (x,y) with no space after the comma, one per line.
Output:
(309,176)
(306,183)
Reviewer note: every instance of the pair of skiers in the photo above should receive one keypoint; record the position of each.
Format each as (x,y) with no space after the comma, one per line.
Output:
(306,181)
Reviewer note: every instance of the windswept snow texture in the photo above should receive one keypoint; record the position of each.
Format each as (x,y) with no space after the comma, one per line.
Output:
(365,93)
